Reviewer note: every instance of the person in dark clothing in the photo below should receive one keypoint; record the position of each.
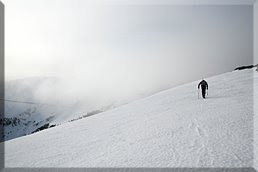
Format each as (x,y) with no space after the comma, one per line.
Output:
(204,86)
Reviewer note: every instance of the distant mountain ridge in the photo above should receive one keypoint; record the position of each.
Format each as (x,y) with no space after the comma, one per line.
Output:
(25,113)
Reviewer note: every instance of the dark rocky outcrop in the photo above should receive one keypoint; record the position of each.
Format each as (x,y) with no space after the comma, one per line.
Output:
(41,128)
(10,121)
(245,67)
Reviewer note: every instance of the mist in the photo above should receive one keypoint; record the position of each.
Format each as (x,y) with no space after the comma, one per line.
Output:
(113,53)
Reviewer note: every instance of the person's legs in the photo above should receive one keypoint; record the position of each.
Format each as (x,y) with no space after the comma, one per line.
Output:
(203,92)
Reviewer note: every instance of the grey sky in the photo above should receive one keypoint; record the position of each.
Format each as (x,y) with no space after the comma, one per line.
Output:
(136,46)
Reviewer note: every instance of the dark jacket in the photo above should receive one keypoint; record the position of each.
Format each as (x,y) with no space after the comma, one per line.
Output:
(203,84)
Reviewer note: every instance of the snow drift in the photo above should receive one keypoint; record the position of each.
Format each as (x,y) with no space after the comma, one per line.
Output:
(170,129)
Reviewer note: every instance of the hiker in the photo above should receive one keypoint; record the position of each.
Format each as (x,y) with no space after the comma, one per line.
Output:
(204,86)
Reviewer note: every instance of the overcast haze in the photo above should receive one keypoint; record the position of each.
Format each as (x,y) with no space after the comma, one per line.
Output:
(114,48)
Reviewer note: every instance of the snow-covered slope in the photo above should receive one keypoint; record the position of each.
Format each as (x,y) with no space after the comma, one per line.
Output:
(170,129)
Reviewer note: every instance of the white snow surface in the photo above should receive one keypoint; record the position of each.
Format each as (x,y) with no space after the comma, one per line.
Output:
(172,128)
